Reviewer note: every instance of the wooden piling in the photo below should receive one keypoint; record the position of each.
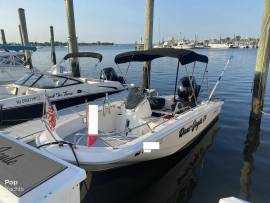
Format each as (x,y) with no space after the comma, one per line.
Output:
(148,39)
(24,35)
(251,145)
(21,37)
(3,37)
(53,56)
(262,64)
(72,39)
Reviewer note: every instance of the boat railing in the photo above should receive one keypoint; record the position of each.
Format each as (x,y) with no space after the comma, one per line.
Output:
(11,59)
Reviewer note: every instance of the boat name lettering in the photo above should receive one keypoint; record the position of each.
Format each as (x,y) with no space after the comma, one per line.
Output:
(7,159)
(194,126)
(58,94)
(27,100)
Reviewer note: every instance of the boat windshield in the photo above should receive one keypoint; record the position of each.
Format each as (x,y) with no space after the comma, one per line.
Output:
(44,81)
(135,96)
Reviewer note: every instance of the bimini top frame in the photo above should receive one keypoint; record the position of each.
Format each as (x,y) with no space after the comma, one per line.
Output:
(84,54)
(184,56)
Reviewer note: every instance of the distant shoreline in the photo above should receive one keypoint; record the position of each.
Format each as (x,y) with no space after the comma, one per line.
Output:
(65,43)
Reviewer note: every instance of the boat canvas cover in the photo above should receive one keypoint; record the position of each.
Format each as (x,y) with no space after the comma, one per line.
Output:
(21,169)
(183,55)
(17,48)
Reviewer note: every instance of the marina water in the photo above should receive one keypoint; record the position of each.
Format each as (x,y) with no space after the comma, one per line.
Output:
(220,163)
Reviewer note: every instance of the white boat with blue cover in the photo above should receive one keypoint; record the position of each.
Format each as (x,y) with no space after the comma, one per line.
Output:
(143,127)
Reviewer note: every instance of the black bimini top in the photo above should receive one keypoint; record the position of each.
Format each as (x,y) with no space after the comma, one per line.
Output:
(84,54)
(183,55)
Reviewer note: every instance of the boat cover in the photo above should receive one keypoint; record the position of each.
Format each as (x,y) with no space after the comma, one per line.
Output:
(183,55)
(17,47)
(21,169)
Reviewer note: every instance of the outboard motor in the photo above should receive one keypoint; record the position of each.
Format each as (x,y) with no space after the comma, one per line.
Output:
(185,89)
(110,74)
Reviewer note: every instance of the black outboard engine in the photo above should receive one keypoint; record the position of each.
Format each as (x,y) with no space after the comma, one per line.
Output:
(185,89)
(110,74)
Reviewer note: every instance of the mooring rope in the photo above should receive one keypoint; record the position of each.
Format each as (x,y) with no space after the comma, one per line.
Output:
(267,114)
(263,112)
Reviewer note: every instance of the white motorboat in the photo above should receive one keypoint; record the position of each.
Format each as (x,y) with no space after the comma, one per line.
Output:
(218,45)
(24,99)
(12,62)
(183,45)
(144,127)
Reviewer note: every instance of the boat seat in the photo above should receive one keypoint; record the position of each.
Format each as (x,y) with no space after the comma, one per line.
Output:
(156,102)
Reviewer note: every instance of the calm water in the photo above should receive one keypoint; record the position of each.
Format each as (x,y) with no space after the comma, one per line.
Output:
(221,163)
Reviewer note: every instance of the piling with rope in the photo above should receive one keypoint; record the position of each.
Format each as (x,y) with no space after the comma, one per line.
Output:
(262,64)
(148,39)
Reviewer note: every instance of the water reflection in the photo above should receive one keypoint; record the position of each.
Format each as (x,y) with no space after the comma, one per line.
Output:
(251,144)
(171,179)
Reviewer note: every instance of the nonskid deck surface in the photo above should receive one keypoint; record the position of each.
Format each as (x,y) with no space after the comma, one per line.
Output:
(114,139)
(80,138)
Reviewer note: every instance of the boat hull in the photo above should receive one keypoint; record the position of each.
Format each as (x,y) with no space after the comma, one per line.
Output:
(103,167)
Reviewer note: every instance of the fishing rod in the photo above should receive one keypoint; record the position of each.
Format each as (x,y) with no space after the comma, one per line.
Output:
(218,81)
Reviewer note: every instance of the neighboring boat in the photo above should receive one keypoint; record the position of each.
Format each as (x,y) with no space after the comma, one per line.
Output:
(182,45)
(200,45)
(24,99)
(159,45)
(139,45)
(12,62)
(233,46)
(144,127)
(218,45)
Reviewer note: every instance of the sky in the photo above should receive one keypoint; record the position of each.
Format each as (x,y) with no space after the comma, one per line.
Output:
(122,21)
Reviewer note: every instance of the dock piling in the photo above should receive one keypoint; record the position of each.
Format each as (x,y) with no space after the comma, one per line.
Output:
(72,39)
(3,37)
(24,35)
(262,64)
(53,56)
(20,31)
(148,39)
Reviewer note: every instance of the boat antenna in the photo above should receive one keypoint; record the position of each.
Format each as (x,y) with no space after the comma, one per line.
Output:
(218,81)
(176,79)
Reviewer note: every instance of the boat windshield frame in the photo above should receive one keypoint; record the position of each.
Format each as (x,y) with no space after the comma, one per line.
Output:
(39,76)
